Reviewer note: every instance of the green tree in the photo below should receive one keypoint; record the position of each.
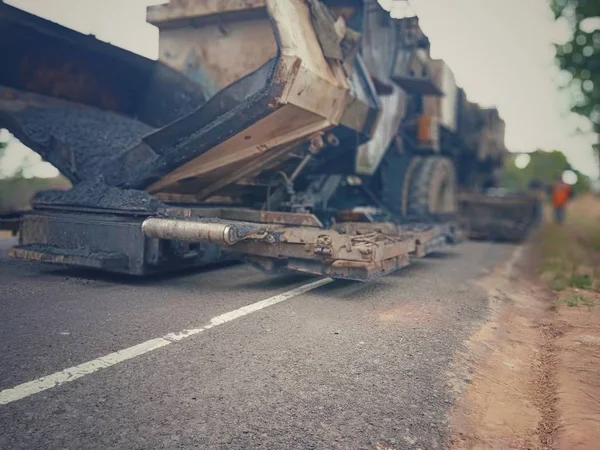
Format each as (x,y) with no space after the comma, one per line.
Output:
(543,166)
(580,56)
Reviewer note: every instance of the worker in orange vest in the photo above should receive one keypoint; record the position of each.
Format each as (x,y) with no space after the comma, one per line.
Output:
(561,193)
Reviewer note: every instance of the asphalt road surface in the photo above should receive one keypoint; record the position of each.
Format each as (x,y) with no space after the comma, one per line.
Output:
(341,365)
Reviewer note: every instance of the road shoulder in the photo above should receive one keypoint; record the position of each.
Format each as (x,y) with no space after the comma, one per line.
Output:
(528,378)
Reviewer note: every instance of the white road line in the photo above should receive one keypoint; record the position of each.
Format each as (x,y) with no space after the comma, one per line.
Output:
(64,376)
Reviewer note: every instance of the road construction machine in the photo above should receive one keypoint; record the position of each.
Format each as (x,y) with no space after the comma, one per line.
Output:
(303,135)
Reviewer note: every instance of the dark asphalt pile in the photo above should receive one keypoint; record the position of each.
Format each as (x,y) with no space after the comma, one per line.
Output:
(79,141)
(96,194)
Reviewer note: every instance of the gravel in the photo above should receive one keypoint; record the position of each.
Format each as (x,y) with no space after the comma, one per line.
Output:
(94,137)
(96,194)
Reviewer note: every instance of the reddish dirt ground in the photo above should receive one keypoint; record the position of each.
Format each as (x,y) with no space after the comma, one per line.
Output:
(530,378)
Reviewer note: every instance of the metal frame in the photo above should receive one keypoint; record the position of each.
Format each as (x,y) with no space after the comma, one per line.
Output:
(183,237)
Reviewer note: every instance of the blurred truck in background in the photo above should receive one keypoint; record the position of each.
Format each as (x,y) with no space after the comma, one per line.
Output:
(299,135)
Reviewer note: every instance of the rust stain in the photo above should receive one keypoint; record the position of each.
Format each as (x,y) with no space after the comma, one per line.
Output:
(198,51)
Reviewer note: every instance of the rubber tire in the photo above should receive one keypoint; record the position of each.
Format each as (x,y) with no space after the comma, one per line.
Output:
(432,189)
(412,168)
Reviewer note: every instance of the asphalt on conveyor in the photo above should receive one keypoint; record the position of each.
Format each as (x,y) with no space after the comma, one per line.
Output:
(347,365)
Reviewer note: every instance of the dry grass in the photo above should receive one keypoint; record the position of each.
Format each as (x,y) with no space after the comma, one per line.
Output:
(571,266)
(570,253)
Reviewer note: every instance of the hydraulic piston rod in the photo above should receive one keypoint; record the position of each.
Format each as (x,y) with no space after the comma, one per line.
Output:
(192,231)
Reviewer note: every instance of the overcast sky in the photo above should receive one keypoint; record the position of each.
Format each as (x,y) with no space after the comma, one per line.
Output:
(499,50)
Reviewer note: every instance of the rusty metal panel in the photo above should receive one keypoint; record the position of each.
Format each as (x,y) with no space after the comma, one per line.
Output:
(248,215)
(198,52)
(348,270)
(368,253)
(387,228)
(75,257)
(242,155)
(444,107)
(178,12)
(274,217)
(304,95)
(358,251)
